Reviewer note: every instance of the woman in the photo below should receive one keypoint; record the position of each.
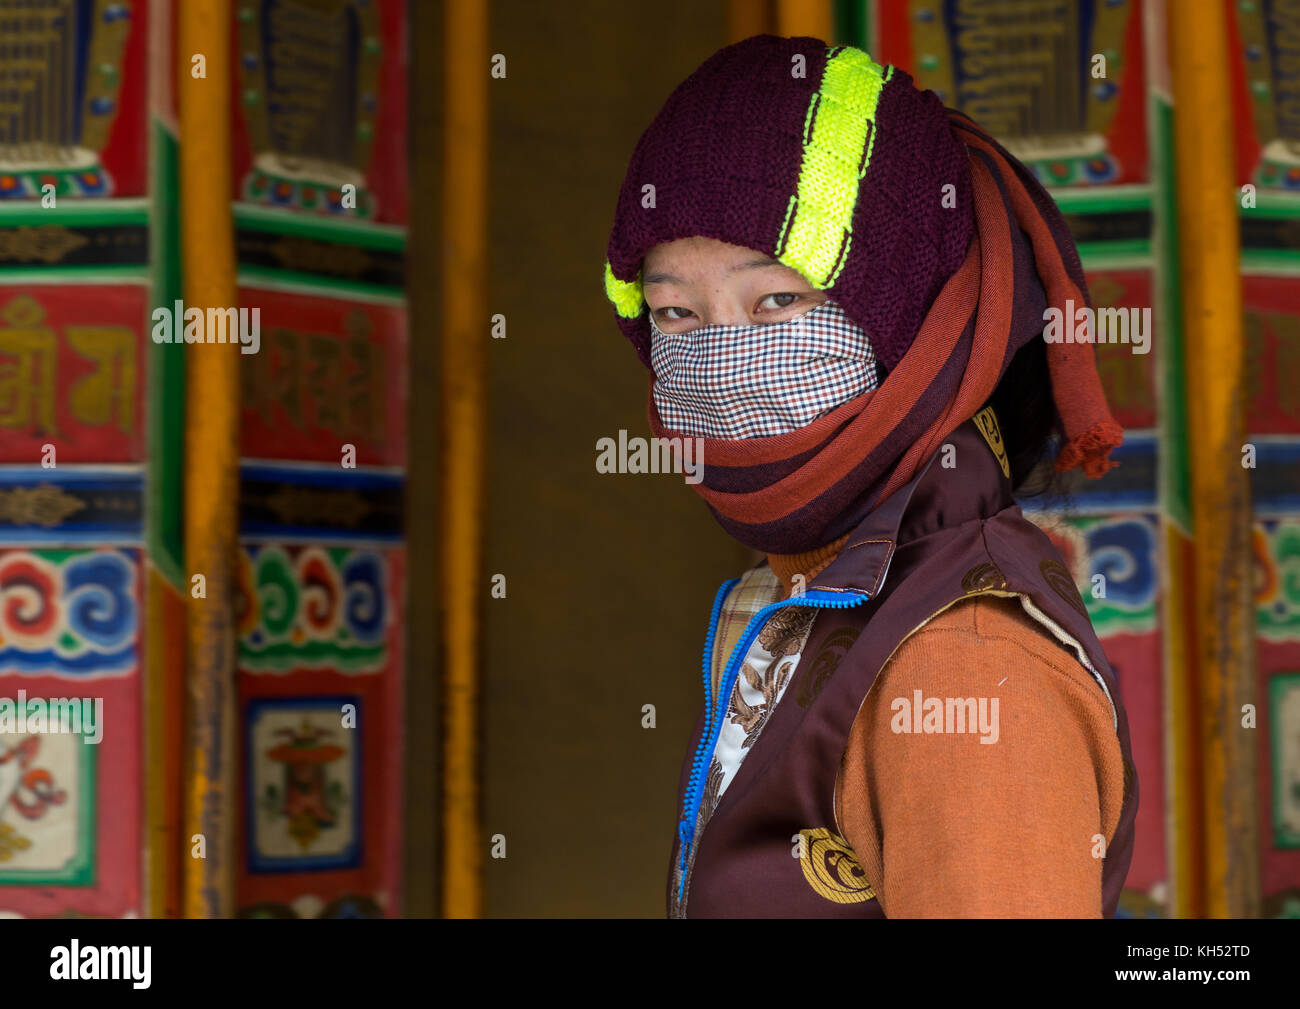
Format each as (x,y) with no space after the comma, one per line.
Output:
(840,287)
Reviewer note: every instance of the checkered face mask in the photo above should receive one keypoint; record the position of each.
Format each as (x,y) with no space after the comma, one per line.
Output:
(733,382)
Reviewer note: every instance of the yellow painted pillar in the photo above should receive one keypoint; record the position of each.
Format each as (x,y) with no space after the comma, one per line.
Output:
(1209,260)
(211,457)
(1184,824)
(804,17)
(746,18)
(463,419)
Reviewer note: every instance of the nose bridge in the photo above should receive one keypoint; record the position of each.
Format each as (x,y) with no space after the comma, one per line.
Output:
(725,309)
(737,315)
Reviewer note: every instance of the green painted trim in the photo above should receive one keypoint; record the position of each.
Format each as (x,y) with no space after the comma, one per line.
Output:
(165,434)
(1271,203)
(363,234)
(1104,199)
(1174,474)
(80,869)
(1278,684)
(75,212)
(1099,258)
(849,19)
(308,283)
(1129,248)
(116,273)
(1284,262)
(286,656)
(389,297)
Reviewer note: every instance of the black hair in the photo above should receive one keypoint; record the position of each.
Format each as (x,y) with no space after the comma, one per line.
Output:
(1031,426)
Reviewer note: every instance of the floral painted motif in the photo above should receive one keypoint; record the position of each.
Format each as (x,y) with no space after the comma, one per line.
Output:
(68,611)
(313,607)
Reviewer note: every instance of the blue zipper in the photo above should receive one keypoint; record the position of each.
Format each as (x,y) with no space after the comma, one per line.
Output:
(714,712)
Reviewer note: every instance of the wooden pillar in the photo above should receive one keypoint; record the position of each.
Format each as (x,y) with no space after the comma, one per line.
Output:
(462,433)
(746,18)
(804,17)
(211,457)
(1221,567)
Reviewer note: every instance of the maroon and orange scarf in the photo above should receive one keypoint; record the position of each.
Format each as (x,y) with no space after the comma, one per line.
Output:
(802,490)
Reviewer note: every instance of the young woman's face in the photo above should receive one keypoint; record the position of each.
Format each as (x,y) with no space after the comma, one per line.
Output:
(695,282)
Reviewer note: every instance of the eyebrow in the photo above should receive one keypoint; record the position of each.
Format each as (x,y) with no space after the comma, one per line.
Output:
(668,278)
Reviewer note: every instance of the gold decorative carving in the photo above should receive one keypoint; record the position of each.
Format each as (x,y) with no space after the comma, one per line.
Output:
(49,243)
(43,505)
(308,506)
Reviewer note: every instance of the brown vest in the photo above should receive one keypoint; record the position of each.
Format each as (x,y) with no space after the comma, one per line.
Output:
(950,533)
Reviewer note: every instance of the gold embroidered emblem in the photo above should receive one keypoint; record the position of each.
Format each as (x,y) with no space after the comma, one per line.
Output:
(987,422)
(984,577)
(1060,581)
(831,868)
(827,661)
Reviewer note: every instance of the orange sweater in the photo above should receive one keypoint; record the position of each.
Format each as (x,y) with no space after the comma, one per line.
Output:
(947,826)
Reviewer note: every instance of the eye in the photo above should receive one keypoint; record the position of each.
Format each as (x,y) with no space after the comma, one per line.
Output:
(790,297)
(675,319)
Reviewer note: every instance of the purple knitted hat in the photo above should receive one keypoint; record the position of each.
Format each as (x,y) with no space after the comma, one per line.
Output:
(816,155)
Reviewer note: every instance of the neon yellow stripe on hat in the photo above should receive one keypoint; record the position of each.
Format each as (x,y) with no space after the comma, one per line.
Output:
(625,294)
(815,237)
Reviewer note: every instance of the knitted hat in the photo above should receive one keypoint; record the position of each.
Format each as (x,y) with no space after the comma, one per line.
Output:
(830,163)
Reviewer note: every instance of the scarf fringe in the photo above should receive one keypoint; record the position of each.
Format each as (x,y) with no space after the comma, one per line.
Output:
(1091,449)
